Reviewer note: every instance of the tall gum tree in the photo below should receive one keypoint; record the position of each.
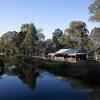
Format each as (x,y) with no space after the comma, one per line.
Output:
(94,9)
(77,31)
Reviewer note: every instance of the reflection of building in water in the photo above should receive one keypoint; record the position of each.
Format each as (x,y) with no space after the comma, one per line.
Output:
(27,76)
(60,78)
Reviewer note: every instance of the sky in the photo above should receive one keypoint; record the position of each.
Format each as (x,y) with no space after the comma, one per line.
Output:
(45,14)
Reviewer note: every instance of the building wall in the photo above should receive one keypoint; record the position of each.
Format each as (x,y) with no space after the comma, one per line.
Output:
(71,58)
(60,58)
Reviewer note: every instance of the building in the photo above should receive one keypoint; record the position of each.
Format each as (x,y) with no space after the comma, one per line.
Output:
(71,55)
(59,55)
(51,55)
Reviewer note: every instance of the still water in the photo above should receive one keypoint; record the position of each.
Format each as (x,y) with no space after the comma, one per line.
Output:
(28,84)
(43,86)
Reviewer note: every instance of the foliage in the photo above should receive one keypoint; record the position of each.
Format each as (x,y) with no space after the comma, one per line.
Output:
(31,41)
(6,39)
(94,10)
(49,46)
(67,42)
(95,37)
(24,41)
(56,35)
(77,33)
(41,36)
(31,35)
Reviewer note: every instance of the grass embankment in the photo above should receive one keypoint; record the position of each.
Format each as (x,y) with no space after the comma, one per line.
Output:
(88,71)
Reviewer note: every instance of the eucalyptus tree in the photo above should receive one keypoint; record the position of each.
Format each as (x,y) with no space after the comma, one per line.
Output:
(94,10)
(56,35)
(40,47)
(67,42)
(31,37)
(49,46)
(77,31)
(7,40)
(95,37)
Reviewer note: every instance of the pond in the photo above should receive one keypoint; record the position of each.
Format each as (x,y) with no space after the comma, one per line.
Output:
(26,84)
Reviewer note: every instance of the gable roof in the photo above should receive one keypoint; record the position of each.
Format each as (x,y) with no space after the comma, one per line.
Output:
(61,51)
(75,51)
(71,51)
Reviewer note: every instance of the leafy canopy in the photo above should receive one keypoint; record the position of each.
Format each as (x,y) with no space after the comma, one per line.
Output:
(94,10)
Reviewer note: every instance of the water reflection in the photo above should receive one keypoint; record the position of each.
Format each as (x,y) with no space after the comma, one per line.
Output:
(42,85)
(27,75)
(94,95)
(93,92)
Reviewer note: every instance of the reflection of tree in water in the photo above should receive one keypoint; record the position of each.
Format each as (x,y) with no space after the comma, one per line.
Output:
(24,71)
(1,63)
(93,92)
(1,71)
(1,67)
(75,84)
(27,76)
